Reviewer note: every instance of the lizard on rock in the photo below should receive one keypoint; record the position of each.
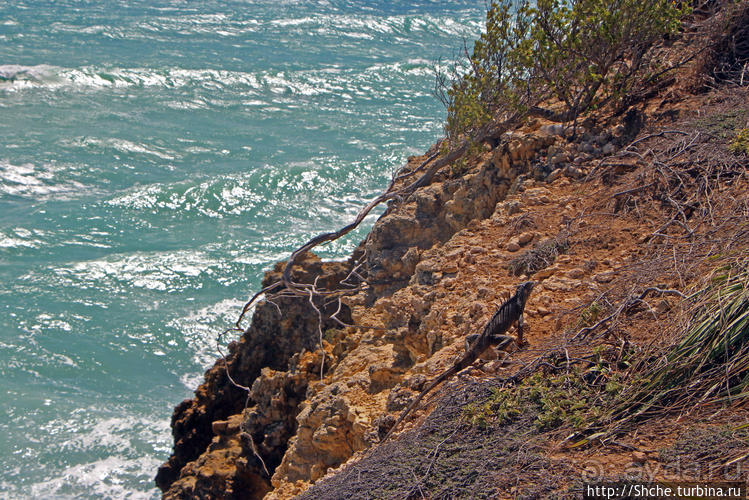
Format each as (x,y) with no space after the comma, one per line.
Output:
(509,312)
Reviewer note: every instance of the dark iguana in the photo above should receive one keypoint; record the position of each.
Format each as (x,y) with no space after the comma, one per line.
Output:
(509,312)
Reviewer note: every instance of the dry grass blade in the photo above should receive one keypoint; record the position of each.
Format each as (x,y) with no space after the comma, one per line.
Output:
(539,257)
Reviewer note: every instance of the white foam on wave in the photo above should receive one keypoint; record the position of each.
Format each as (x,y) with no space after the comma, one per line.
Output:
(414,67)
(269,91)
(100,452)
(371,26)
(16,77)
(217,197)
(293,22)
(123,146)
(258,193)
(186,24)
(104,478)
(229,195)
(99,479)
(200,329)
(365,26)
(30,180)
(226,25)
(8,242)
(250,85)
(160,271)
(189,105)
(219,24)
(281,84)
(20,237)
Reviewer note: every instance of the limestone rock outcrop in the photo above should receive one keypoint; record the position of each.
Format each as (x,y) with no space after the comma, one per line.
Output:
(270,342)
(409,321)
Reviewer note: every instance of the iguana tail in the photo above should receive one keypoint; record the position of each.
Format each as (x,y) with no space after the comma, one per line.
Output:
(445,375)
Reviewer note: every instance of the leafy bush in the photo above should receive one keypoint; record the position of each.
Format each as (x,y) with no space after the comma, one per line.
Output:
(496,76)
(582,53)
(589,315)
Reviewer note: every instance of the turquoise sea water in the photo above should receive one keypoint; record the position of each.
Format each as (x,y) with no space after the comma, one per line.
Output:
(155,157)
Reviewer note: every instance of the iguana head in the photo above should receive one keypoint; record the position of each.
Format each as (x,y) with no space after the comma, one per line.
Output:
(523,290)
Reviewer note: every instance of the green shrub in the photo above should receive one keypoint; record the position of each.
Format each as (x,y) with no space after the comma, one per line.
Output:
(494,76)
(589,316)
(583,53)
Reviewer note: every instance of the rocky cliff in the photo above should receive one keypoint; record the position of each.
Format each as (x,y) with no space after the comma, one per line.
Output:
(585,215)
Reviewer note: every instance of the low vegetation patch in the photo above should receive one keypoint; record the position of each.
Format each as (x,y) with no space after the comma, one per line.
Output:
(710,364)
(740,143)
(589,316)
(723,125)
(709,451)
(570,398)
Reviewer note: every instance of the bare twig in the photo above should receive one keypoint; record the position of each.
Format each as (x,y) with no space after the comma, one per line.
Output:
(248,436)
(625,304)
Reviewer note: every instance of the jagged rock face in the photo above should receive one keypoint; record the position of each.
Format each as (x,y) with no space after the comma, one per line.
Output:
(271,421)
(229,467)
(223,470)
(434,213)
(334,423)
(270,341)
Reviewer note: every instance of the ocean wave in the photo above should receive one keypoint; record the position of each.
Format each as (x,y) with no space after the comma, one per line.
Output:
(158,271)
(86,450)
(20,237)
(241,194)
(36,181)
(367,26)
(99,479)
(254,88)
(122,146)
(410,25)
(51,77)
(16,78)
(17,75)
(119,438)
(214,198)
(200,329)
(419,67)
